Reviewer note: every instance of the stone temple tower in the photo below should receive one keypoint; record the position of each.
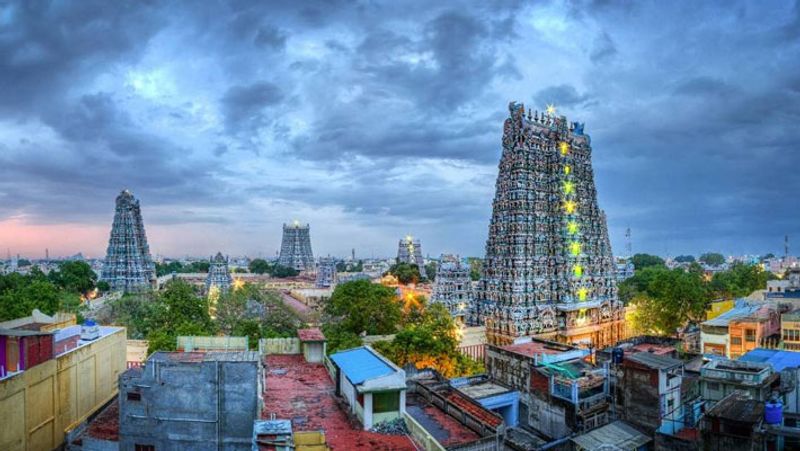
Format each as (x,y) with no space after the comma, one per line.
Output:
(409,251)
(219,275)
(296,247)
(453,286)
(548,270)
(128,266)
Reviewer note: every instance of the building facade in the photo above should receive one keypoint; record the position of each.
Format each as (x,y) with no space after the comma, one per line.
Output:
(548,269)
(128,266)
(296,247)
(194,400)
(452,287)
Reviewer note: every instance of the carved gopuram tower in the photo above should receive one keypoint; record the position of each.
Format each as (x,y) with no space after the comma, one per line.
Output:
(409,250)
(219,275)
(548,270)
(128,266)
(452,287)
(296,247)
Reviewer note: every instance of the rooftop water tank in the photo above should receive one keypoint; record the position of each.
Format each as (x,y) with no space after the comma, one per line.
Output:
(773,412)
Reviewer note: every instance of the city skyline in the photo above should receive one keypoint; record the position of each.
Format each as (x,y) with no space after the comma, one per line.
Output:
(373,121)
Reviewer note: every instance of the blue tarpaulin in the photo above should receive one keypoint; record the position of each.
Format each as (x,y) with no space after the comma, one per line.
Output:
(777,358)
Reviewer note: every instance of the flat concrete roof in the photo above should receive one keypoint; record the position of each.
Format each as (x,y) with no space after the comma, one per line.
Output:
(482,390)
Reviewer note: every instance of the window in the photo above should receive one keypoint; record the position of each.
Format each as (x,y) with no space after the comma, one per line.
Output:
(750,335)
(385,402)
(138,447)
(736,340)
(133,396)
(713,386)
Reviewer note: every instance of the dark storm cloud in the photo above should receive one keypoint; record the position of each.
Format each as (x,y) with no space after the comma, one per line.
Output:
(393,112)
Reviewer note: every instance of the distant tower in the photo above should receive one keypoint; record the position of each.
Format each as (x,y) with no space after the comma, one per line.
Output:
(296,247)
(128,265)
(549,270)
(453,286)
(786,245)
(409,251)
(47,254)
(628,244)
(353,255)
(219,276)
(326,273)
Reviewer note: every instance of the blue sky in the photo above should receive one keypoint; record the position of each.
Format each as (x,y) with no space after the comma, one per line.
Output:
(371,120)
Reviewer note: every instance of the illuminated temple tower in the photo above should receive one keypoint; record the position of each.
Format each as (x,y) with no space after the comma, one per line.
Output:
(219,275)
(296,247)
(409,251)
(548,270)
(128,266)
(453,286)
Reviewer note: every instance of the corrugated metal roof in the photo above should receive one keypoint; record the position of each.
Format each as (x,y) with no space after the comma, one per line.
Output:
(732,314)
(656,361)
(361,364)
(777,358)
(617,434)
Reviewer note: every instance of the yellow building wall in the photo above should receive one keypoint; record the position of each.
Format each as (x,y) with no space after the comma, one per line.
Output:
(718,308)
(40,405)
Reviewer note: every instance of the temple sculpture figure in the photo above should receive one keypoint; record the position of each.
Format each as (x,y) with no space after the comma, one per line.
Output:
(326,273)
(128,266)
(452,287)
(409,250)
(549,271)
(219,275)
(296,247)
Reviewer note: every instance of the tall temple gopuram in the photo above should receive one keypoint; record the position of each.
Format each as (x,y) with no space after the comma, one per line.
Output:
(128,266)
(548,270)
(219,275)
(296,247)
(409,251)
(452,287)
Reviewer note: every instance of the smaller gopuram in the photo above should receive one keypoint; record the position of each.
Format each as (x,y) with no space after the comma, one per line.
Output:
(452,287)
(409,251)
(326,273)
(296,247)
(219,275)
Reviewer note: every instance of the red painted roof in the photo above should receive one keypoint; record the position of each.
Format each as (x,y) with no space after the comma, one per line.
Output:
(536,347)
(455,433)
(304,393)
(478,412)
(106,425)
(313,334)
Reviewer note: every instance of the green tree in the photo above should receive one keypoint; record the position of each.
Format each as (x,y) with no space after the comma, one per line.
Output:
(406,273)
(739,280)
(641,261)
(684,258)
(163,269)
(475,266)
(283,271)
(666,299)
(260,266)
(362,306)
(339,339)
(103,286)
(712,259)
(74,276)
(249,328)
(430,271)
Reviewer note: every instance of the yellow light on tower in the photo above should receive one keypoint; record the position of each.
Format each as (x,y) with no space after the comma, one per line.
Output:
(551,109)
(577,270)
(572,227)
(582,293)
(575,248)
(569,187)
(567,169)
(569,206)
(581,319)
(563,147)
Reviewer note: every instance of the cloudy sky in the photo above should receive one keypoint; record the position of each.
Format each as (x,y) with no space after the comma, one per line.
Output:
(371,120)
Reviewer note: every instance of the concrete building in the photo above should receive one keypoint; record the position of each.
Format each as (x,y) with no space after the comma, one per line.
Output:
(721,377)
(373,386)
(194,400)
(652,391)
(312,344)
(54,381)
(761,329)
(560,393)
(787,364)
(491,395)
(734,424)
(613,436)
(714,333)
(790,330)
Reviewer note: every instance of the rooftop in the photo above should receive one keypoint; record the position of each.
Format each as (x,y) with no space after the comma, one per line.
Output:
(482,390)
(362,364)
(739,312)
(304,393)
(738,407)
(538,347)
(313,334)
(197,357)
(777,358)
(105,426)
(62,334)
(444,428)
(618,435)
(655,361)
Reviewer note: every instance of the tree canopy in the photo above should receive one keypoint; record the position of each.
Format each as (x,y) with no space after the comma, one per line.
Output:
(641,261)
(684,258)
(475,265)
(362,306)
(406,273)
(20,294)
(430,271)
(712,259)
(74,276)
